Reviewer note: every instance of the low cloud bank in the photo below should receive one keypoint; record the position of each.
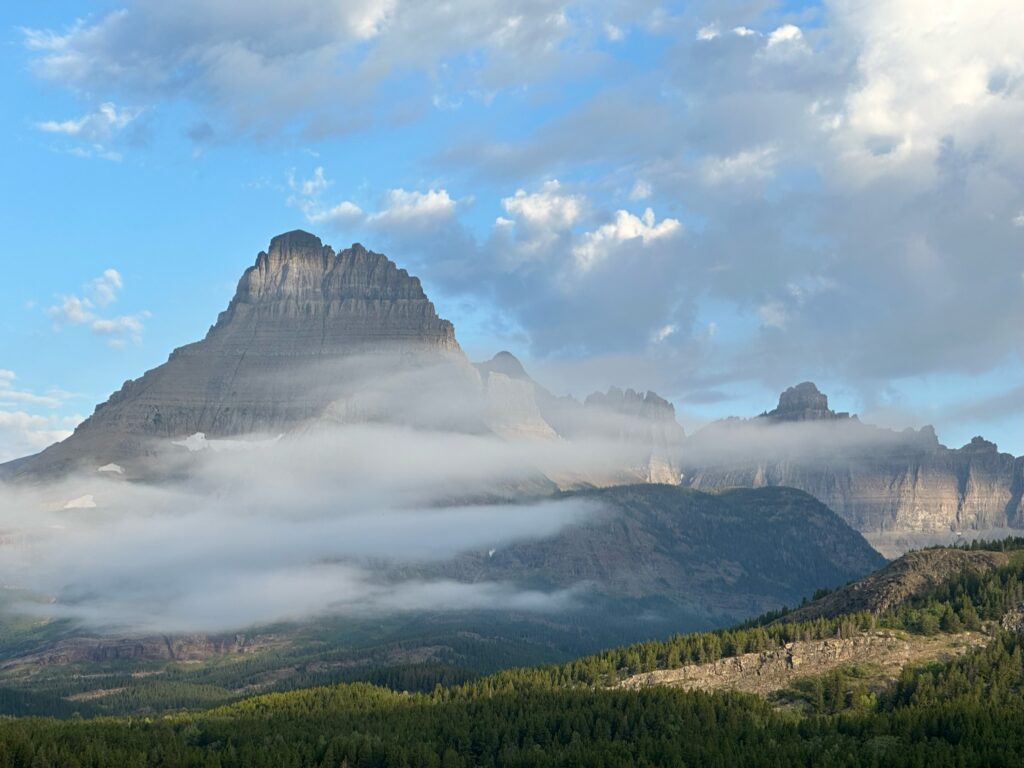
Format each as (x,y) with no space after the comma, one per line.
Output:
(281,530)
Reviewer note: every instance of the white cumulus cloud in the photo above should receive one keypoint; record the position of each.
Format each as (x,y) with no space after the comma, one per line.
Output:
(595,246)
(709,32)
(403,206)
(547,209)
(87,311)
(106,286)
(787,33)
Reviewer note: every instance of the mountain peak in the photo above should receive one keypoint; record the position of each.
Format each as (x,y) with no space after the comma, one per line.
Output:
(290,345)
(300,288)
(297,241)
(980,445)
(803,402)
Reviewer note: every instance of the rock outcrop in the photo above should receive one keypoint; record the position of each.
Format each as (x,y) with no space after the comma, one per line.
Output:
(884,483)
(769,671)
(803,402)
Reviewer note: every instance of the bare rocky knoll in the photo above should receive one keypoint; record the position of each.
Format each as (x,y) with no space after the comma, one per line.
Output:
(886,653)
(915,573)
(883,482)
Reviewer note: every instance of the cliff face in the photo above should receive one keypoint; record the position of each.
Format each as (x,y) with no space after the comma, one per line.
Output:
(646,422)
(878,480)
(512,400)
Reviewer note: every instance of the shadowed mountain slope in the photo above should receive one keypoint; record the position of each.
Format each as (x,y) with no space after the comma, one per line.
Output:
(718,556)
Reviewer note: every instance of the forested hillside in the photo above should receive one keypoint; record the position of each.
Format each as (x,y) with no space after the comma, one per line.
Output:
(968,711)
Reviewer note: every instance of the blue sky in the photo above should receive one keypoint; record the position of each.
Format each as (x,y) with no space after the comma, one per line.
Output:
(835,191)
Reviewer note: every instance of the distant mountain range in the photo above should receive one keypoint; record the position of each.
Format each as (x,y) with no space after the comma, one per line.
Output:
(315,337)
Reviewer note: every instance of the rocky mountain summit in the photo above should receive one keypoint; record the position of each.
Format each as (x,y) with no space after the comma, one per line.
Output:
(803,402)
(301,298)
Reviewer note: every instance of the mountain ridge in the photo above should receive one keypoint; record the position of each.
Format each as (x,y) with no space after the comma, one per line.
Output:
(313,336)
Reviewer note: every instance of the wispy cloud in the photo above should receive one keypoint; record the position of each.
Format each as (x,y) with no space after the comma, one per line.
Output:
(10,394)
(87,311)
(93,134)
(103,124)
(400,210)
(296,537)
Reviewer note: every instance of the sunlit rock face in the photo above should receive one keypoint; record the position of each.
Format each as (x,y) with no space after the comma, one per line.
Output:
(309,334)
(880,481)
(302,299)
